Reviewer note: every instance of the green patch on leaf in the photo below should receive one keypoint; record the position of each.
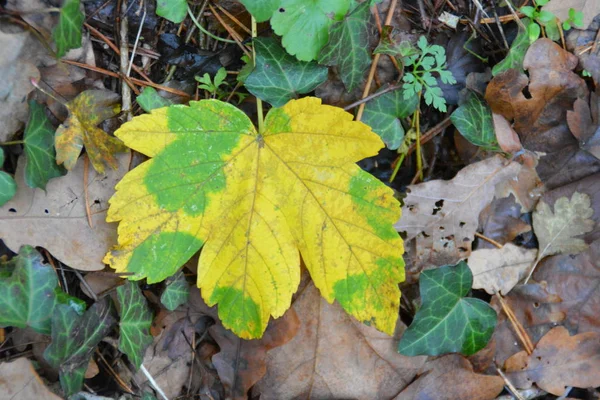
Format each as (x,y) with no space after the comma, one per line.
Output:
(27,296)
(348,46)
(136,319)
(448,322)
(279,77)
(173,10)
(67,34)
(261,10)
(8,186)
(177,291)
(473,119)
(304,25)
(149,99)
(39,146)
(516,54)
(243,312)
(383,115)
(74,338)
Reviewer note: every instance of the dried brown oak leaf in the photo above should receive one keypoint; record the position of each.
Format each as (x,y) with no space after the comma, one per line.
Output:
(335,357)
(451,377)
(558,360)
(540,116)
(443,215)
(585,125)
(80,129)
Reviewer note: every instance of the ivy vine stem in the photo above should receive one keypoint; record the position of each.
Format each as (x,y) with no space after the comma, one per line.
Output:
(259,106)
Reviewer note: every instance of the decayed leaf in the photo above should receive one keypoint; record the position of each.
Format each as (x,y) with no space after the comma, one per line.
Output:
(575,279)
(579,39)
(38,141)
(135,322)
(557,230)
(86,111)
(305,25)
(256,198)
(21,381)
(473,119)
(177,291)
(67,34)
(57,219)
(516,54)
(558,360)
(27,296)
(443,215)
(261,9)
(384,113)
(74,338)
(507,138)
(501,222)
(149,99)
(499,270)
(8,187)
(447,321)
(451,377)
(334,357)
(279,77)
(173,10)
(348,46)
(585,125)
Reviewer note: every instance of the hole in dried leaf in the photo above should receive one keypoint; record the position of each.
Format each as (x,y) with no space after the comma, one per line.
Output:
(526,92)
(438,206)
(462,224)
(12,210)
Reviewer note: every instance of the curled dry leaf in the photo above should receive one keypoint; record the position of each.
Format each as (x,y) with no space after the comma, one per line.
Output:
(57,220)
(541,119)
(335,357)
(443,215)
(501,222)
(21,381)
(499,270)
(558,360)
(585,125)
(508,140)
(451,377)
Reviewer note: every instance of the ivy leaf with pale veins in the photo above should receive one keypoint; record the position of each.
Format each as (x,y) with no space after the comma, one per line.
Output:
(80,129)
(256,200)
(38,141)
(67,34)
(136,319)
(448,322)
(8,187)
(384,113)
(74,338)
(27,297)
(261,10)
(304,25)
(516,54)
(556,230)
(348,46)
(279,77)
(177,291)
(173,10)
(473,119)
(149,99)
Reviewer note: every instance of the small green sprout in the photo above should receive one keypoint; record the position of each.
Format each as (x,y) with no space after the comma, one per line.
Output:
(539,17)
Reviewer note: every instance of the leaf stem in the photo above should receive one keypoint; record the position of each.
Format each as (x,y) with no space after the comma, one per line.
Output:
(417,117)
(206,32)
(13,142)
(259,105)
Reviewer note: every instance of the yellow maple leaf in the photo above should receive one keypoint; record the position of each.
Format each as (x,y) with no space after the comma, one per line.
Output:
(252,200)
(80,129)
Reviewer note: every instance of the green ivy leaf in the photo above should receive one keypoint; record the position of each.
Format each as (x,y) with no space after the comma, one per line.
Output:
(67,34)
(279,77)
(383,115)
(27,296)
(447,321)
(304,25)
(473,119)
(39,147)
(136,319)
(348,46)
(261,10)
(173,10)
(516,54)
(176,292)
(74,338)
(149,99)
(8,186)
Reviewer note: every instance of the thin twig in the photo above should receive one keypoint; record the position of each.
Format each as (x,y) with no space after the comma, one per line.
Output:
(519,330)
(112,372)
(372,96)
(205,31)
(489,240)
(137,39)
(153,382)
(509,385)
(430,134)
(259,105)
(234,19)
(124,56)
(236,37)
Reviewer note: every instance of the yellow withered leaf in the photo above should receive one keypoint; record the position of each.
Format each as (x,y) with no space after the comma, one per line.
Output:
(80,129)
(256,201)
